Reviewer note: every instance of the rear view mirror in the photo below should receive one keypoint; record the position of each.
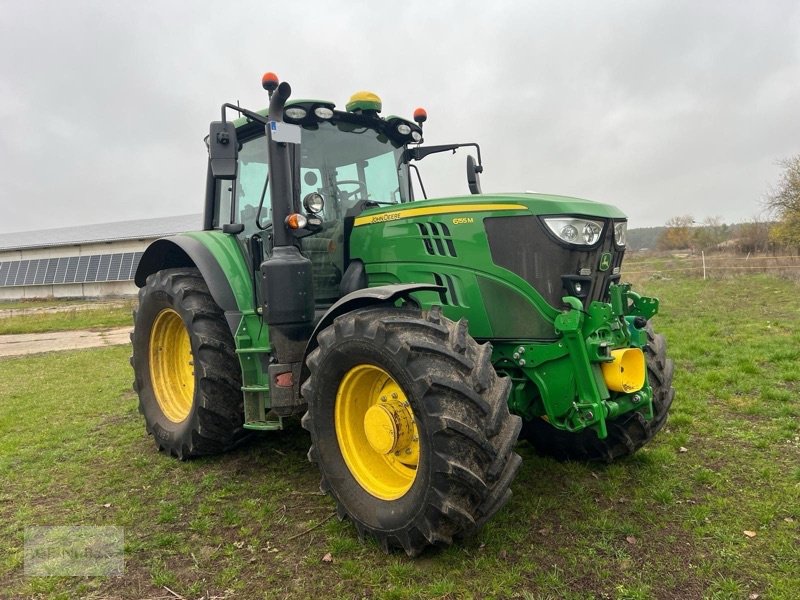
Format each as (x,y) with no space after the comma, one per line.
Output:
(223,150)
(473,175)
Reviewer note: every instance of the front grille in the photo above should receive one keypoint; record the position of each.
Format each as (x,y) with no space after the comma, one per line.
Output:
(524,246)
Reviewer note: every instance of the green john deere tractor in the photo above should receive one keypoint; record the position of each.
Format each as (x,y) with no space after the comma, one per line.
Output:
(419,338)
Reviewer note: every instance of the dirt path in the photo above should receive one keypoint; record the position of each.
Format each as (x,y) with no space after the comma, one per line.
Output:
(34,310)
(34,343)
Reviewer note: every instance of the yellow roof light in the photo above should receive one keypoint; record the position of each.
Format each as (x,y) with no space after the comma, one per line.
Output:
(364,101)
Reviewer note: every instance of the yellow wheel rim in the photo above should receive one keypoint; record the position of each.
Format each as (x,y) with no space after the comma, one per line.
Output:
(376,431)
(171,365)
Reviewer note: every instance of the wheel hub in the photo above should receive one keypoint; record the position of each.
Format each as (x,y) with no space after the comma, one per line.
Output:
(389,426)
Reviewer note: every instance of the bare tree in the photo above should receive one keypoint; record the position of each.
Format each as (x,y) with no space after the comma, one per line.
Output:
(783,201)
(754,235)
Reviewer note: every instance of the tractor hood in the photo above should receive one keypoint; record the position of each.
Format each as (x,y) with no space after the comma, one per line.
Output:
(525,251)
(507,204)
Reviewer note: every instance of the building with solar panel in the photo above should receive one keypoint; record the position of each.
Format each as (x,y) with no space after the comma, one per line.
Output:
(88,261)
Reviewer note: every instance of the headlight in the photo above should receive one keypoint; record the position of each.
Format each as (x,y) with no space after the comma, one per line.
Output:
(314,203)
(295,112)
(572,230)
(323,112)
(403,129)
(620,231)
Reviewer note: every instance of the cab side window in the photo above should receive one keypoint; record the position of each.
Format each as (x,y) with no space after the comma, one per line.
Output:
(222,208)
(252,186)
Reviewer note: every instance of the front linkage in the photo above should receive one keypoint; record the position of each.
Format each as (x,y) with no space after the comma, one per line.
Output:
(593,373)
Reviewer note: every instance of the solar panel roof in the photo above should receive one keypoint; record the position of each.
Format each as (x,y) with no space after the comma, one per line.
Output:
(100,232)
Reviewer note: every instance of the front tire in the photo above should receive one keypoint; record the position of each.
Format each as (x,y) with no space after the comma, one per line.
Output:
(186,372)
(409,426)
(627,433)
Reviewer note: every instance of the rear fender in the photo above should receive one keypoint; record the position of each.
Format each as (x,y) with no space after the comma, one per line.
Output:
(184,251)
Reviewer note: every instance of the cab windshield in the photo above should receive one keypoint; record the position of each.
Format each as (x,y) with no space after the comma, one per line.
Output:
(344,162)
(347,163)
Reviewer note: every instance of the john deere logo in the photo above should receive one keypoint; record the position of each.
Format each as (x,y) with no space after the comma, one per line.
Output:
(605,261)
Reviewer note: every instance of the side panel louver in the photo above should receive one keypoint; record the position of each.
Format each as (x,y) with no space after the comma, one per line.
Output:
(448,297)
(437,240)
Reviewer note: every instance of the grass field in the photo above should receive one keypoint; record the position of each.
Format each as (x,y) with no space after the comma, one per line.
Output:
(64,315)
(668,523)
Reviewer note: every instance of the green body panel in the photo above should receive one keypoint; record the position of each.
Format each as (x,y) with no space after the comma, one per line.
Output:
(552,356)
(228,253)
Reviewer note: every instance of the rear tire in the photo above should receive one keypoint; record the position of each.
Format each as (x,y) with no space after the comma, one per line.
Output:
(627,433)
(186,372)
(456,463)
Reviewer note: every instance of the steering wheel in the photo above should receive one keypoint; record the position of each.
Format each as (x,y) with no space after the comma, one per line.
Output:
(360,193)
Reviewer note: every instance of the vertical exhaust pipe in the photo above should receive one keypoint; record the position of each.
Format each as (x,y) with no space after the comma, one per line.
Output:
(286,281)
(280,170)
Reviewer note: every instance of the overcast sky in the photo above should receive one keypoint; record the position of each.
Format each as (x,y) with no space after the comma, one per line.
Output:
(662,108)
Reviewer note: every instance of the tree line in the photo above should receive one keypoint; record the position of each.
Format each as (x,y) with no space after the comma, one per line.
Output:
(778,229)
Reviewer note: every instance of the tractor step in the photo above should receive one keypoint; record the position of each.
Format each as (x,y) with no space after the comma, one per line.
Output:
(255,388)
(254,350)
(265,425)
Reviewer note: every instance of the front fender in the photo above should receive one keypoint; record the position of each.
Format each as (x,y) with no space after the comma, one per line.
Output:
(361,299)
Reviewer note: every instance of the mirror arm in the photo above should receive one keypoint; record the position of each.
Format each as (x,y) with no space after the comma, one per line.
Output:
(421,152)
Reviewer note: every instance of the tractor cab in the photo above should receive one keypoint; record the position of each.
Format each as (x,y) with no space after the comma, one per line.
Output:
(340,159)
